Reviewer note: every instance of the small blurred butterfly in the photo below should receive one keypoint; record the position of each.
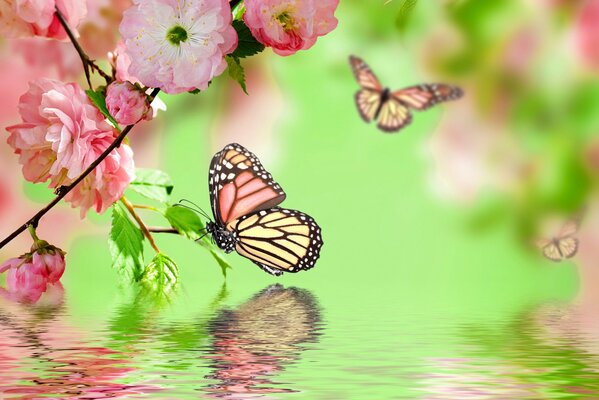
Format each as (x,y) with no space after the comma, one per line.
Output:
(564,245)
(392,109)
(244,199)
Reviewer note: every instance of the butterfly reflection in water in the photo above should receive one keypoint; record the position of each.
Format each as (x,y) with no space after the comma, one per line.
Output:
(392,108)
(244,199)
(256,341)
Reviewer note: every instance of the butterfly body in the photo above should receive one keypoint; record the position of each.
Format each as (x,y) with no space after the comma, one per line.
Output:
(224,239)
(391,109)
(385,95)
(244,199)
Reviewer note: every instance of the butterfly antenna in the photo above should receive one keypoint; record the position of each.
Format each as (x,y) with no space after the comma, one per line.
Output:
(195,208)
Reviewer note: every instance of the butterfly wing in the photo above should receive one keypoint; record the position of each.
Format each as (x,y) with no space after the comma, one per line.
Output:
(570,228)
(568,247)
(368,103)
(364,75)
(278,240)
(425,96)
(558,249)
(552,252)
(240,185)
(393,116)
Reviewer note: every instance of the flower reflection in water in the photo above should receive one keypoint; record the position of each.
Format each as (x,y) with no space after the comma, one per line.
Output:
(544,352)
(42,354)
(256,341)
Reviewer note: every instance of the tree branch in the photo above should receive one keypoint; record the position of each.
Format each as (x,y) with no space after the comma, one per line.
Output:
(82,54)
(64,190)
(85,60)
(141,224)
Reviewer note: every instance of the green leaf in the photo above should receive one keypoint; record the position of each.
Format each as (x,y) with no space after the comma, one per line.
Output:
(98,99)
(247,44)
(405,13)
(238,11)
(125,244)
(224,265)
(236,71)
(187,222)
(161,274)
(153,184)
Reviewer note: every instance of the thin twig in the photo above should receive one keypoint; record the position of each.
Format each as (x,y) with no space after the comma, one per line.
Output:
(64,190)
(100,71)
(141,224)
(82,54)
(159,229)
(144,207)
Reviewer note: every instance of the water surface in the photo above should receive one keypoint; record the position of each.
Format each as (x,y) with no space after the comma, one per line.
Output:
(282,342)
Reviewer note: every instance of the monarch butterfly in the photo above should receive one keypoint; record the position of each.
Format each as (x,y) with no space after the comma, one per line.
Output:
(244,199)
(392,109)
(564,245)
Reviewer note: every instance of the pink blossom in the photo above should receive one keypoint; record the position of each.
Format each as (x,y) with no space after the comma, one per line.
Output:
(127,103)
(49,54)
(23,18)
(61,135)
(290,25)
(106,184)
(587,33)
(120,61)
(51,262)
(99,31)
(28,275)
(176,45)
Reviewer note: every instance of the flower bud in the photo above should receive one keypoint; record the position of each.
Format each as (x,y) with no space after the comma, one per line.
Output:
(127,103)
(28,275)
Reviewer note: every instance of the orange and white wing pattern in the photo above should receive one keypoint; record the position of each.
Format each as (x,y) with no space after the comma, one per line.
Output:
(364,75)
(278,240)
(568,247)
(240,185)
(425,96)
(565,244)
(393,116)
(559,249)
(570,228)
(368,103)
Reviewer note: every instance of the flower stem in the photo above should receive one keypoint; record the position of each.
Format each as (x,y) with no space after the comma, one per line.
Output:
(141,224)
(64,190)
(82,54)
(33,234)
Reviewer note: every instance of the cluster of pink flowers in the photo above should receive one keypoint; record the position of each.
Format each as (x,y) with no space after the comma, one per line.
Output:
(180,46)
(29,275)
(290,25)
(174,45)
(23,18)
(62,133)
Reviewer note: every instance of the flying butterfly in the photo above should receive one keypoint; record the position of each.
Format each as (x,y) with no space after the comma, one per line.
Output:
(564,245)
(244,199)
(392,109)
